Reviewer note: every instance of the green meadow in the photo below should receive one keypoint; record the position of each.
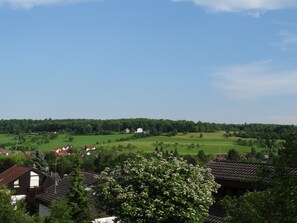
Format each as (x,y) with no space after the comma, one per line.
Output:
(61,140)
(190,143)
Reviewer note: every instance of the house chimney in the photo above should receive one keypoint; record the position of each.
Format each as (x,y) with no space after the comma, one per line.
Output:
(34,166)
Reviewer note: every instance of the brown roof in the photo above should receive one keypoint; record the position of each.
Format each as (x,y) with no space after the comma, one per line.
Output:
(62,188)
(216,214)
(238,174)
(63,153)
(237,171)
(214,219)
(13,173)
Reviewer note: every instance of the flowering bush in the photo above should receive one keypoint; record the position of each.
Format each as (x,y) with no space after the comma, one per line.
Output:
(156,189)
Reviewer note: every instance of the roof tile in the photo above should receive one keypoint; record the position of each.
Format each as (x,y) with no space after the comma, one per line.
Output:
(13,173)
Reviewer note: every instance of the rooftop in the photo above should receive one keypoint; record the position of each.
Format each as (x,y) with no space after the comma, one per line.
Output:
(13,173)
(237,171)
(62,188)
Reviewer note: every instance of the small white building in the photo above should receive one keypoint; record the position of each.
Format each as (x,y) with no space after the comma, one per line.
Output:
(104,220)
(88,148)
(127,130)
(139,130)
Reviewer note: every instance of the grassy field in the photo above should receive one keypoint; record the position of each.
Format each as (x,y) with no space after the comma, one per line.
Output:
(62,140)
(191,143)
(211,143)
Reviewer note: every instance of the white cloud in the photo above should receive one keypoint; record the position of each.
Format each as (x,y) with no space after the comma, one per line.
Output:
(27,4)
(288,39)
(254,6)
(255,80)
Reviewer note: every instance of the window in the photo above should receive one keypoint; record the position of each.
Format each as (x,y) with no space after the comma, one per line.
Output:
(34,179)
(16,184)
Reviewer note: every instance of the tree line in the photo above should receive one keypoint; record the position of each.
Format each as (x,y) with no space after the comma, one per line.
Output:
(154,126)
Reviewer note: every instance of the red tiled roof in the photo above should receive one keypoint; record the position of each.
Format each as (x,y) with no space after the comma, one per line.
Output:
(63,153)
(54,149)
(3,151)
(90,147)
(13,173)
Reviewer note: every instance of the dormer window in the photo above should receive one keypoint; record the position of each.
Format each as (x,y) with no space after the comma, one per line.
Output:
(16,184)
(34,179)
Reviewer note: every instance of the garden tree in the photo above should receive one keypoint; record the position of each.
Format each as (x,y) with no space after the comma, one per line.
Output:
(78,197)
(88,164)
(227,134)
(53,135)
(288,154)
(271,147)
(253,151)
(233,155)
(280,198)
(70,138)
(60,212)
(104,159)
(201,156)
(6,163)
(190,159)
(156,189)
(51,158)
(14,212)
(20,159)
(251,207)
(175,153)
(38,158)
(174,132)
(260,156)
(65,165)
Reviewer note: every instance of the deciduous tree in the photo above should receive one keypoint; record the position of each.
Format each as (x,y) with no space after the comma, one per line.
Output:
(78,197)
(276,204)
(13,212)
(233,155)
(60,212)
(156,189)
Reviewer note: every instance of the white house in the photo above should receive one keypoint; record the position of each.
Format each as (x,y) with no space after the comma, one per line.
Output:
(62,149)
(139,130)
(90,148)
(104,220)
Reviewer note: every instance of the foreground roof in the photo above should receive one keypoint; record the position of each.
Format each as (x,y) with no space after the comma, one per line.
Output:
(13,173)
(241,175)
(237,171)
(62,188)
(216,214)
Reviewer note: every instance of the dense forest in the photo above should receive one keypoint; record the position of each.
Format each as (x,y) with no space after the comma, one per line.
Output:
(154,126)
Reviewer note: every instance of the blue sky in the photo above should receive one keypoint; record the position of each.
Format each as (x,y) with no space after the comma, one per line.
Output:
(209,60)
